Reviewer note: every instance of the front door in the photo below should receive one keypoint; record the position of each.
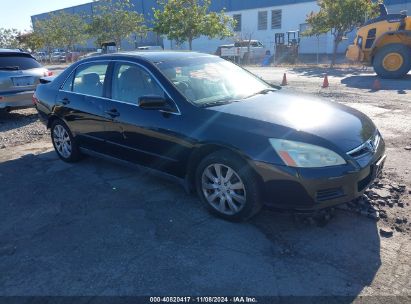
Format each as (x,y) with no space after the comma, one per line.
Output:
(146,136)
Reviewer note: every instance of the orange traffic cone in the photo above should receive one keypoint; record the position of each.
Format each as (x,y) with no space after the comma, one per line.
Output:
(284,83)
(377,85)
(326,84)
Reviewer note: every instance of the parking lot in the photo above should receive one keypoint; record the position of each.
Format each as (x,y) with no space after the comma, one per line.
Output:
(101,228)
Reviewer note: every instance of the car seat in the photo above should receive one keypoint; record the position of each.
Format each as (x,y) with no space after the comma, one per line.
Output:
(132,85)
(90,84)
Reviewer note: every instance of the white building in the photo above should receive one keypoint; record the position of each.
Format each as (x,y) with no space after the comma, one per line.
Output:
(261,19)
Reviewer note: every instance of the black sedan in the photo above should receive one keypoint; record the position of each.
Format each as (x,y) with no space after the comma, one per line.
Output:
(225,133)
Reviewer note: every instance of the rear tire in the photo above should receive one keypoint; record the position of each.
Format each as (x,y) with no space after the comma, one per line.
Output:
(227,186)
(64,143)
(392,61)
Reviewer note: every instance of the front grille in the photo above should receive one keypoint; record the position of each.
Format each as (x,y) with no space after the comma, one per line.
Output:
(328,194)
(369,147)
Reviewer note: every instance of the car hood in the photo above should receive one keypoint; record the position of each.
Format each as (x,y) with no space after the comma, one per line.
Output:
(343,126)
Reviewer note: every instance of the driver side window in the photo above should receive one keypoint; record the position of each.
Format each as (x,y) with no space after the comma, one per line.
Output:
(130,82)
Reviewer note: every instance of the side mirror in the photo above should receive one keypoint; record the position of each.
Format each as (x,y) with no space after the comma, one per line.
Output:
(152,103)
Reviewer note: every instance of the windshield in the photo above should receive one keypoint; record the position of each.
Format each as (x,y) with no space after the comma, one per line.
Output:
(210,80)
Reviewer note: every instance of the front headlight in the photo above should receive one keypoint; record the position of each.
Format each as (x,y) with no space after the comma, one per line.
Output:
(298,154)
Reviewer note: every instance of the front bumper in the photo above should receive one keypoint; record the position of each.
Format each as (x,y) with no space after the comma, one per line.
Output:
(317,188)
(16,100)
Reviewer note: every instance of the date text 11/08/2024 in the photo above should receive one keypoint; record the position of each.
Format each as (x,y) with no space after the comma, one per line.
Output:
(203,300)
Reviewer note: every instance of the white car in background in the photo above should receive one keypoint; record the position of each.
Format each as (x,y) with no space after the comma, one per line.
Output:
(244,50)
(40,56)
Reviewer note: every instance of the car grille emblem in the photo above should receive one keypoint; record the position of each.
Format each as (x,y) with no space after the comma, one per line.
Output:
(370,146)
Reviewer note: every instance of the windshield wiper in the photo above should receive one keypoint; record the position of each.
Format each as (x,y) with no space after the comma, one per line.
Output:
(216,103)
(265,91)
(10,68)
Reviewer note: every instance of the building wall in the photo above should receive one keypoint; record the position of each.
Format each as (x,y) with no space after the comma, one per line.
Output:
(398,7)
(294,13)
(292,18)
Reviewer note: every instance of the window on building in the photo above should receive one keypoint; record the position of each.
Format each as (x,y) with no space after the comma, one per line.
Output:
(237,18)
(276,19)
(262,20)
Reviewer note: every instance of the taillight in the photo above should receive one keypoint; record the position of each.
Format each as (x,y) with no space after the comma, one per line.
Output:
(48,73)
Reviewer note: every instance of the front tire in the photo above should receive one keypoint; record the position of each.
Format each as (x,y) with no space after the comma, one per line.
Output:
(227,186)
(63,141)
(392,61)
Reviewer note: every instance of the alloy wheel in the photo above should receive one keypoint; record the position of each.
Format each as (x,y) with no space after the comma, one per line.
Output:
(223,189)
(62,141)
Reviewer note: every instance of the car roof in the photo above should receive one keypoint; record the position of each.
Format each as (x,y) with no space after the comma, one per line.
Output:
(10,51)
(16,52)
(160,56)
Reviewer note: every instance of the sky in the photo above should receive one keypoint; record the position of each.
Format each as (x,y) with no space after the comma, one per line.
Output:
(17,13)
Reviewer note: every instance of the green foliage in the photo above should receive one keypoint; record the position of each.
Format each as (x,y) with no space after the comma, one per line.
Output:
(71,29)
(60,30)
(115,21)
(31,41)
(8,38)
(338,17)
(186,20)
(47,33)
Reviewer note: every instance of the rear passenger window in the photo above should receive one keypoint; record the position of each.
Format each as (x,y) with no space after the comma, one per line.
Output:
(68,84)
(89,79)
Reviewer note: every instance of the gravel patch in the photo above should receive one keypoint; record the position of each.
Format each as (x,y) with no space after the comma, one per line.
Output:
(20,127)
(384,201)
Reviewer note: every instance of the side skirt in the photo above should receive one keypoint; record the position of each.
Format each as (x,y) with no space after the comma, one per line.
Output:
(182,181)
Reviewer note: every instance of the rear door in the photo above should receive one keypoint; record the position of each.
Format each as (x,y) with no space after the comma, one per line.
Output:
(82,103)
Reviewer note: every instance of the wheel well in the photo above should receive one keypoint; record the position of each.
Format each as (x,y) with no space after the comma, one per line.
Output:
(51,120)
(199,154)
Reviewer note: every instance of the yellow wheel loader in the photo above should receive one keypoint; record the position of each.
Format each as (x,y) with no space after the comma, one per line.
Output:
(384,43)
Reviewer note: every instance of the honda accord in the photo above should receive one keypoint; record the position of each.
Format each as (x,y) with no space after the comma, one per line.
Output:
(223,132)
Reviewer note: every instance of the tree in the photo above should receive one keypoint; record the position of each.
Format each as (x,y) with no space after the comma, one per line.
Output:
(46,32)
(246,35)
(186,20)
(338,17)
(8,38)
(31,41)
(114,20)
(71,29)
(59,30)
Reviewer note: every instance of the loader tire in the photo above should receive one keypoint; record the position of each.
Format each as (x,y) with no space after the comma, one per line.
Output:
(392,61)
